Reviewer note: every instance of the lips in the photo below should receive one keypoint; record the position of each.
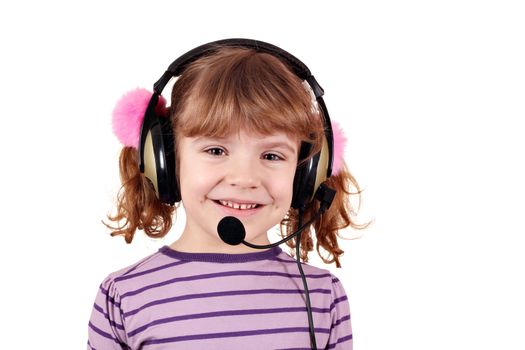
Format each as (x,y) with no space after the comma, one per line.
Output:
(240,206)
(238,212)
(239,201)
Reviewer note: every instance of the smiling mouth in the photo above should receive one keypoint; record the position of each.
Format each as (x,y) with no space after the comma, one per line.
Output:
(237,207)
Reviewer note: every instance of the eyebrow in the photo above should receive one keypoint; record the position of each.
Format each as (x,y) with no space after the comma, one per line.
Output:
(285,145)
(282,144)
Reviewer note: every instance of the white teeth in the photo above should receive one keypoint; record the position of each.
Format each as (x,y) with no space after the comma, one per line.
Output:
(237,206)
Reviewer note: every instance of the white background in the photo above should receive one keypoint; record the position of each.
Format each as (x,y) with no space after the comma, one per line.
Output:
(431,95)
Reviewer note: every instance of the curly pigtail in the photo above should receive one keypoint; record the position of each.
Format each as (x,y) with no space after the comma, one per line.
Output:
(137,203)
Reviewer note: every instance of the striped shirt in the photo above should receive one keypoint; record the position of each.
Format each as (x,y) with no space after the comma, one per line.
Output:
(256,300)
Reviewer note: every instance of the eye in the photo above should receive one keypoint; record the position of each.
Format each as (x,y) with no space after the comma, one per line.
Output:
(215,151)
(275,156)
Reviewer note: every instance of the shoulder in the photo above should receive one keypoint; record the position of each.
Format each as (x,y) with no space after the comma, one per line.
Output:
(323,277)
(133,275)
(339,296)
(327,279)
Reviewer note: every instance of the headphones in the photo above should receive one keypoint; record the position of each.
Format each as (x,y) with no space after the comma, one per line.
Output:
(156,147)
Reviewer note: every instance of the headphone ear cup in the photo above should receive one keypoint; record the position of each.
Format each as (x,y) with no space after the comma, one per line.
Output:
(160,158)
(310,175)
(303,181)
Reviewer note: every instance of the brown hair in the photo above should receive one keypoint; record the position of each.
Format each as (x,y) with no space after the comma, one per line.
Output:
(251,91)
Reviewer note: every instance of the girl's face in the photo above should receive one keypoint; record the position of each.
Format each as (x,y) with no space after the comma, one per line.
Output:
(243,168)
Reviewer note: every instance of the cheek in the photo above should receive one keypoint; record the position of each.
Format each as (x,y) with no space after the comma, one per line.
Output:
(194,181)
(196,185)
(282,186)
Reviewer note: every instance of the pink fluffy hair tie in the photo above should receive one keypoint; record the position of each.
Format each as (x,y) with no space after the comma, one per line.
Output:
(339,147)
(128,115)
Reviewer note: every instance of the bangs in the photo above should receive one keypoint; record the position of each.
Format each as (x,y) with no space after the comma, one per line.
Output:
(238,89)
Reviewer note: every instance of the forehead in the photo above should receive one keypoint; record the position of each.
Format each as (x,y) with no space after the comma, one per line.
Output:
(277,139)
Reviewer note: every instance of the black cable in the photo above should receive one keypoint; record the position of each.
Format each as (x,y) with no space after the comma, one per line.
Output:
(307,293)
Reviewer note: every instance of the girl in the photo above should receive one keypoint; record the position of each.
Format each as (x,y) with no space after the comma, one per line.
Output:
(244,146)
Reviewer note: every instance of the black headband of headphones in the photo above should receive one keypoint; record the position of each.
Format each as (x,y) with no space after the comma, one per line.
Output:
(178,66)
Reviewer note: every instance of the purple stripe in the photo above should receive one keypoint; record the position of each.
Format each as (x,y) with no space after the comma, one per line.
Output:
(342,319)
(225,313)
(225,293)
(109,298)
(106,315)
(138,264)
(337,301)
(92,348)
(268,254)
(104,334)
(132,268)
(216,275)
(234,334)
(105,293)
(124,277)
(289,261)
(339,341)
(344,297)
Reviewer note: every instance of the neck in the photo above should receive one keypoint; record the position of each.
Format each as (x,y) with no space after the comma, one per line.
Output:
(195,246)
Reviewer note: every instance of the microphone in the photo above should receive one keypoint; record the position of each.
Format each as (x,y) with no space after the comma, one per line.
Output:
(232,232)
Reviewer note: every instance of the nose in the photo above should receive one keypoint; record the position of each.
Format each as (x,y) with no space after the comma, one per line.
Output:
(244,173)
